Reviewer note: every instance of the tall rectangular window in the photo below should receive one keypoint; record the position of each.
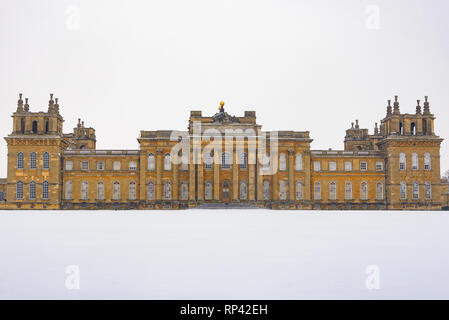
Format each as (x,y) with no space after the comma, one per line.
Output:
(428,191)
(116,165)
(69,165)
(415,161)
(317,166)
(132,166)
(32,190)
(298,162)
(379,166)
(363,166)
(402,162)
(33,160)
(45,190)
(427,162)
(132,191)
(348,191)
(403,190)
(84,190)
(348,166)
(364,191)
(46,160)
(85,165)
(333,191)
(20,160)
(19,190)
(100,191)
(100,165)
(415,190)
(225,160)
(68,190)
(380,191)
(332,166)
(283,190)
(317,191)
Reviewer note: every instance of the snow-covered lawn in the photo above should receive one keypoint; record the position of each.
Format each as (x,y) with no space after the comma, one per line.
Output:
(224,254)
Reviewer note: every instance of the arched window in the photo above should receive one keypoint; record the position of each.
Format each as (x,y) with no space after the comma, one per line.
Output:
(380,191)
(132,166)
(427,162)
(46,126)
(401,128)
(243,160)
(208,160)
(428,191)
(243,190)
(34,127)
(402,161)
(266,190)
(415,190)
(208,191)
(46,160)
(283,190)
(100,191)
(225,160)
(298,162)
(33,160)
(348,191)
(364,191)
(20,160)
(68,190)
(32,190)
(317,191)
(22,125)
(45,191)
(415,164)
(85,190)
(132,190)
(413,128)
(299,194)
(403,190)
(167,190)
(151,162)
(282,162)
(167,162)
(150,191)
(19,190)
(184,191)
(332,191)
(116,191)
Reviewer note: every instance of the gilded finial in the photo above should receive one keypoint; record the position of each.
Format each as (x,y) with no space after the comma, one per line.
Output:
(221,107)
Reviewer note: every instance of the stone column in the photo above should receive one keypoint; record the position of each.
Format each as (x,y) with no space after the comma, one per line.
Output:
(159,169)
(291,182)
(142,171)
(216,176)
(200,191)
(175,170)
(307,176)
(235,178)
(191,177)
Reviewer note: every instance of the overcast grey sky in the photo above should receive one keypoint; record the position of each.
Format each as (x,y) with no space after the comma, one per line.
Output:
(126,66)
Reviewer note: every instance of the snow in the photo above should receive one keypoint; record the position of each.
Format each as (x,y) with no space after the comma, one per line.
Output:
(224,254)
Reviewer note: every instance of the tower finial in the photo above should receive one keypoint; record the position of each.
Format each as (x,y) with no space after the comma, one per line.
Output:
(20,103)
(51,103)
(376,129)
(357,124)
(426,105)
(389,108)
(418,107)
(56,105)
(27,106)
(396,106)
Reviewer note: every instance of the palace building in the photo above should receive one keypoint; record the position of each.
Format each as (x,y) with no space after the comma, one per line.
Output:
(223,160)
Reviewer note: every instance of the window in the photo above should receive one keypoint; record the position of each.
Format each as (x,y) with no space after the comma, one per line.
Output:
(415,191)
(364,191)
(167,162)
(184,191)
(298,162)
(45,190)
(402,161)
(427,162)
(332,166)
(282,162)
(132,190)
(20,160)
(69,165)
(19,190)
(414,161)
(132,166)
(403,190)
(167,190)
(151,162)
(2,196)
(32,190)
(363,166)
(116,165)
(283,190)
(33,160)
(208,191)
(243,190)
(379,166)
(243,160)
(225,160)
(428,191)
(266,161)
(116,191)
(317,166)
(348,191)
(85,190)
(100,191)
(348,166)
(151,191)
(46,126)
(333,191)
(299,195)
(208,160)
(46,160)
(34,127)
(380,191)
(85,165)
(317,191)
(266,190)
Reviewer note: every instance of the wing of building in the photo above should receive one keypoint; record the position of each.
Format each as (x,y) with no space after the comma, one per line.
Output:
(223,160)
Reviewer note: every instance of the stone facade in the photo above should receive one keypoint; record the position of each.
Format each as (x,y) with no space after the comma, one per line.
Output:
(224,160)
